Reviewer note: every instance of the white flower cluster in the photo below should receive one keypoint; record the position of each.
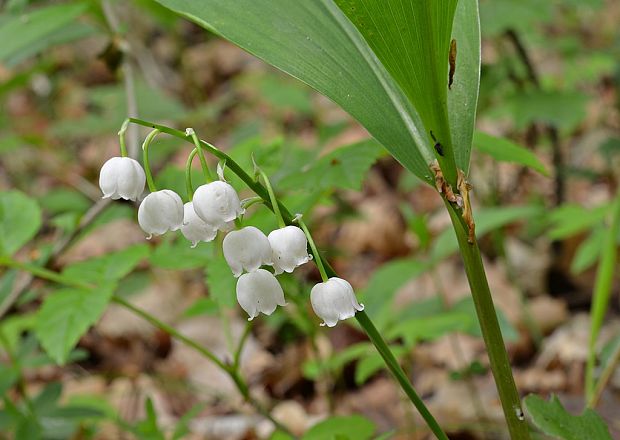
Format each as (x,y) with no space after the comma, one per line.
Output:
(216,206)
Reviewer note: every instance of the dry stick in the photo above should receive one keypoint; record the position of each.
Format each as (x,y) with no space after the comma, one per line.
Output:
(362,318)
(552,132)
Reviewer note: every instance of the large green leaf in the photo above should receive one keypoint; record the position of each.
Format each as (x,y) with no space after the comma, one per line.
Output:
(412,40)
(552,419)
(66,315)
(314,41)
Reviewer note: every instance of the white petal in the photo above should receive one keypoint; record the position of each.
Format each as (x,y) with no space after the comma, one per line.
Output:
(289,247)
(194,229)
(334,300)
(122,177)
(247,248)
(259,292)
(217,203)
(160,212)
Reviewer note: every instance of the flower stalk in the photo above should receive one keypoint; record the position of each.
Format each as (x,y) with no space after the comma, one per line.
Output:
(145,159)
(363,319)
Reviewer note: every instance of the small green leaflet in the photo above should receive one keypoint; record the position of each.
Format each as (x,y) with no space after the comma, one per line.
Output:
(20,220)
(504,150)
(552,419)
(343,427)
(66,315)
(108,268)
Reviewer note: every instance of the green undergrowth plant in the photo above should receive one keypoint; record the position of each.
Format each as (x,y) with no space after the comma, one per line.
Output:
(409,72)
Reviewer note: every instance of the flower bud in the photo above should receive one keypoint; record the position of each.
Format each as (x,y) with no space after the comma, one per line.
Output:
(160,212)
(194,229)
(217,204)
(258,292)
(334,300)
(122,178)
(289,247)
(248,248)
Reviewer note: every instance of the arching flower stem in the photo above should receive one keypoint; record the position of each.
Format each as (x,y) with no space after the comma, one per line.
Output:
(272,197)
(121,137)
(315,251)
(145,159)
(188,174)
(201,156)
(362,318)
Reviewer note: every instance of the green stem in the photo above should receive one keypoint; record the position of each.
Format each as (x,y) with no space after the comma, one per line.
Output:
(201,156)
(491,333)
(121,137)
(188,174)
(170,330)
(317,257)
(327,271)
(602,293)
(244,337)
(145,159)
(399,374)
(272,198)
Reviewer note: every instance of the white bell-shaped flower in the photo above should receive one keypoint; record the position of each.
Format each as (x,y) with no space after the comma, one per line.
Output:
(160,212)
(122,178)
(217,204)
(248,248)
(194,229)
(289,247)
(334,300)
(258,292)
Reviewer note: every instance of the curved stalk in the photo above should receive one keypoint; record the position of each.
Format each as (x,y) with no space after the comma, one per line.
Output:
(201,156)
(145,159)
(272,198)
(363,319)
(317,257)
(188,174)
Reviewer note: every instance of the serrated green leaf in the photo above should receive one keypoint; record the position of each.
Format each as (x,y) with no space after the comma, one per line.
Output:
(179,255)
(571,219)
(21,31)
(552,419)
(588,251)
(504,150)
(343,427)
(345,167)
(66,315)
(20,220)
(312,40)
(109,268)
(565,110)
(220,281)
(202,306)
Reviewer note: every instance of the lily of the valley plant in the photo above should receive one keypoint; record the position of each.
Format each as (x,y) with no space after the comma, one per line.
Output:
(213,207)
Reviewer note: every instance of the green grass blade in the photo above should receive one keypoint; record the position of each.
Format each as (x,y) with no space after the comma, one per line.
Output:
(602,292)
